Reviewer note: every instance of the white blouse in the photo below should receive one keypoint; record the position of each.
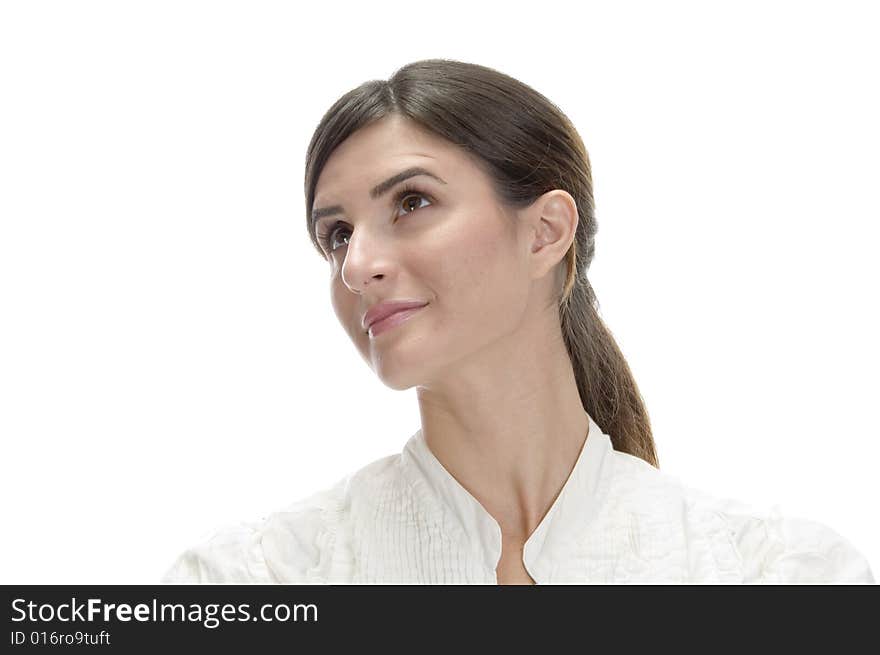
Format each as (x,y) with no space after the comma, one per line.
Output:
(404,519)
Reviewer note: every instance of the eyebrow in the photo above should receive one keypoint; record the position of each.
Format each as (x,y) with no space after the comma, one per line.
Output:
(377,191)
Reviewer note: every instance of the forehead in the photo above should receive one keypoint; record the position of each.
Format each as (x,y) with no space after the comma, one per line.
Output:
(380,150)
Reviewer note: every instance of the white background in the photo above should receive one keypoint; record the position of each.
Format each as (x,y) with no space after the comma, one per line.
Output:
(169,358)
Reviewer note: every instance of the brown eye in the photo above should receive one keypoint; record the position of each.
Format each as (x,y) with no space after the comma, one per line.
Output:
(405,199)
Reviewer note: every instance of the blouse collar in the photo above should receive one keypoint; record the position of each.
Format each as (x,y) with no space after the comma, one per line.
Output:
(574,509)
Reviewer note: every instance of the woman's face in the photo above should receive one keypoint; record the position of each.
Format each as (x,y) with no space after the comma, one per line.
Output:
(452,246)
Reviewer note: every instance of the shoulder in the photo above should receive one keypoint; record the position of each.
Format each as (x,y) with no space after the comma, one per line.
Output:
(774,547)
(309,541)
(728,539)
(292,545)
(231,553)
(639,484)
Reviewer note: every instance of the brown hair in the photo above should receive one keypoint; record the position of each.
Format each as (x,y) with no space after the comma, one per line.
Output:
(526,146)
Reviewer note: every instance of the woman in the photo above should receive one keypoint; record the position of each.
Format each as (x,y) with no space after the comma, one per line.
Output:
(454,207)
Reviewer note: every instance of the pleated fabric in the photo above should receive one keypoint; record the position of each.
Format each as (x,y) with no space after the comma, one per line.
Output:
(404,519)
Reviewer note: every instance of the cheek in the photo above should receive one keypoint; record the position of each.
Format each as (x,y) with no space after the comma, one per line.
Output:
(478,273)
(345,306)
(336,299)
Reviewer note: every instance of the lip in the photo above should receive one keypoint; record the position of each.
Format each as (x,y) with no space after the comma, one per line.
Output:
(393,320)
(382,310)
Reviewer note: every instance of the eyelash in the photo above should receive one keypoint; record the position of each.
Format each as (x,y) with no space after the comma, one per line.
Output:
(325,238)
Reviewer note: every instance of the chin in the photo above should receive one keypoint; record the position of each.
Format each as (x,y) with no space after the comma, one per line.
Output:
(399,381)
(397,374)
(398,385)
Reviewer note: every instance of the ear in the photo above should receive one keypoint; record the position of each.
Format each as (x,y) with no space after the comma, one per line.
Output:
(553,219)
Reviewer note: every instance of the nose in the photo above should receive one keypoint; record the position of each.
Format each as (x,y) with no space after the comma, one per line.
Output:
(366,260)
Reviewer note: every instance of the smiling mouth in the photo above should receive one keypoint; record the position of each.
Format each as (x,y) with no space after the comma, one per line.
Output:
(392,321)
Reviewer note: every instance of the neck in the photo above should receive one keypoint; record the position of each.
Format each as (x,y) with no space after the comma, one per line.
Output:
(508,428)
